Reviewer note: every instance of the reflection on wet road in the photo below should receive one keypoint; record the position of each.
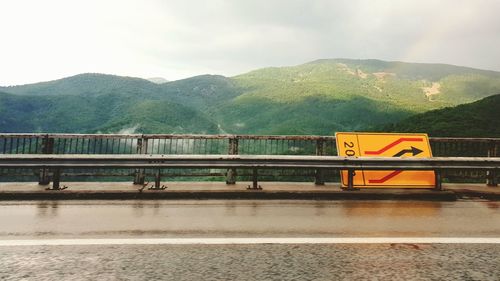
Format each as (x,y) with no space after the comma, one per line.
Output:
(109,219)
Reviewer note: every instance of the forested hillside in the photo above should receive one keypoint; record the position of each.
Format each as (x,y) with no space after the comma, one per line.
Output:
(477,119)
(319,97)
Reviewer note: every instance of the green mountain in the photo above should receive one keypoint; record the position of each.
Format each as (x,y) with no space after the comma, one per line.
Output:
(343,95)
(319,97)
(477,119)
(110,112)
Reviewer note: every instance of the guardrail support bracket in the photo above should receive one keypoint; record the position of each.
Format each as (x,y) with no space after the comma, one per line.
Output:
(56,181)
(350,180)
(157,185)
(255,184)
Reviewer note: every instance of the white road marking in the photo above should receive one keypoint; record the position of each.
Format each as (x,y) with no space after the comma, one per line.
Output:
(232,241)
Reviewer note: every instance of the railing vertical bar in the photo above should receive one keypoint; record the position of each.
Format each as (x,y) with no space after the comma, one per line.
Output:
(10,145)
(118,146)
(55,145)
(101,143)
(64,146)
(94,146)
(111,148)
(24,143)
(106,146)
(88,145)
(17,145)
(36,145)
(77,140)
(85,145)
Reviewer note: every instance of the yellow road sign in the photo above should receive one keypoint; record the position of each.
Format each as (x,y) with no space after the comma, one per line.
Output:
(386,145)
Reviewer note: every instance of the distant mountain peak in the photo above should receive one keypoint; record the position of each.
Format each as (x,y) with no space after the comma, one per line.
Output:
(157,80)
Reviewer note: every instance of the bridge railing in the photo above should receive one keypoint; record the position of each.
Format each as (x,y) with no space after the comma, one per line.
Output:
(253,162)
(219,144)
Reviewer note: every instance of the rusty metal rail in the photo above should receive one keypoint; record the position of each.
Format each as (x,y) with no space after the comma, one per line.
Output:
(254,162)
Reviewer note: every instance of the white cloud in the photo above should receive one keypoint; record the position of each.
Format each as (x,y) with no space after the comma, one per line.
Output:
(43,40)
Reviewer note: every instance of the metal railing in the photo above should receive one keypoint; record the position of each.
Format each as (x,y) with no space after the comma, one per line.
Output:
(166,144)
(254,162)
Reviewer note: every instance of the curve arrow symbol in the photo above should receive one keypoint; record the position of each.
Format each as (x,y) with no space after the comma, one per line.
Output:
(413,150)
(392,144)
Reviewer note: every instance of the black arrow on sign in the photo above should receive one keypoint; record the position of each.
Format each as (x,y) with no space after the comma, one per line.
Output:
(413,150)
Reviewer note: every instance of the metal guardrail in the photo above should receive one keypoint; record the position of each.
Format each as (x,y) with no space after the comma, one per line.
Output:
(111,144)
(254,162)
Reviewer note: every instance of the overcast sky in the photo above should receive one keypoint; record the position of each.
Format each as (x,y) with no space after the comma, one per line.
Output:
(51,39)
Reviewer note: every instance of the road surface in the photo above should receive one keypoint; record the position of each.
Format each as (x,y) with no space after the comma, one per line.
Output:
(249,240)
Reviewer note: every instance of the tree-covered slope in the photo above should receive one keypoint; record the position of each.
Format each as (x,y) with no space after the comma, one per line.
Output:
(338,95)
(319,97)
(477,119)
(108,113)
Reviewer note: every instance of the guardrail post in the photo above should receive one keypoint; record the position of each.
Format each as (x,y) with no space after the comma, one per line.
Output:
(139,177)
(491,175)
(232,150)
(350,179)
(158,179)
(319,174)
(56,184)
(47,148)
(437,180)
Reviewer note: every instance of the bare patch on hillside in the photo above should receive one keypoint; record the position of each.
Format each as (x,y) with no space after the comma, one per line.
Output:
(382,75)
(346,68)
(434,89)
(358,72)
(361,74)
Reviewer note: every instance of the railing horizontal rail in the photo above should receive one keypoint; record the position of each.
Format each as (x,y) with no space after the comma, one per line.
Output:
(245,161)
(223,136)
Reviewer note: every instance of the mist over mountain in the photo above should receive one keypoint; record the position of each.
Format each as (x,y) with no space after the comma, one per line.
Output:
(320,97)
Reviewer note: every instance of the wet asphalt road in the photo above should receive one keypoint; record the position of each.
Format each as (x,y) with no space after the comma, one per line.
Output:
(123,219)
(250,219)
(252,262)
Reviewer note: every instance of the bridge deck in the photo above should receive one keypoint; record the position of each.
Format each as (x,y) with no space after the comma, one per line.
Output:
(218,190)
